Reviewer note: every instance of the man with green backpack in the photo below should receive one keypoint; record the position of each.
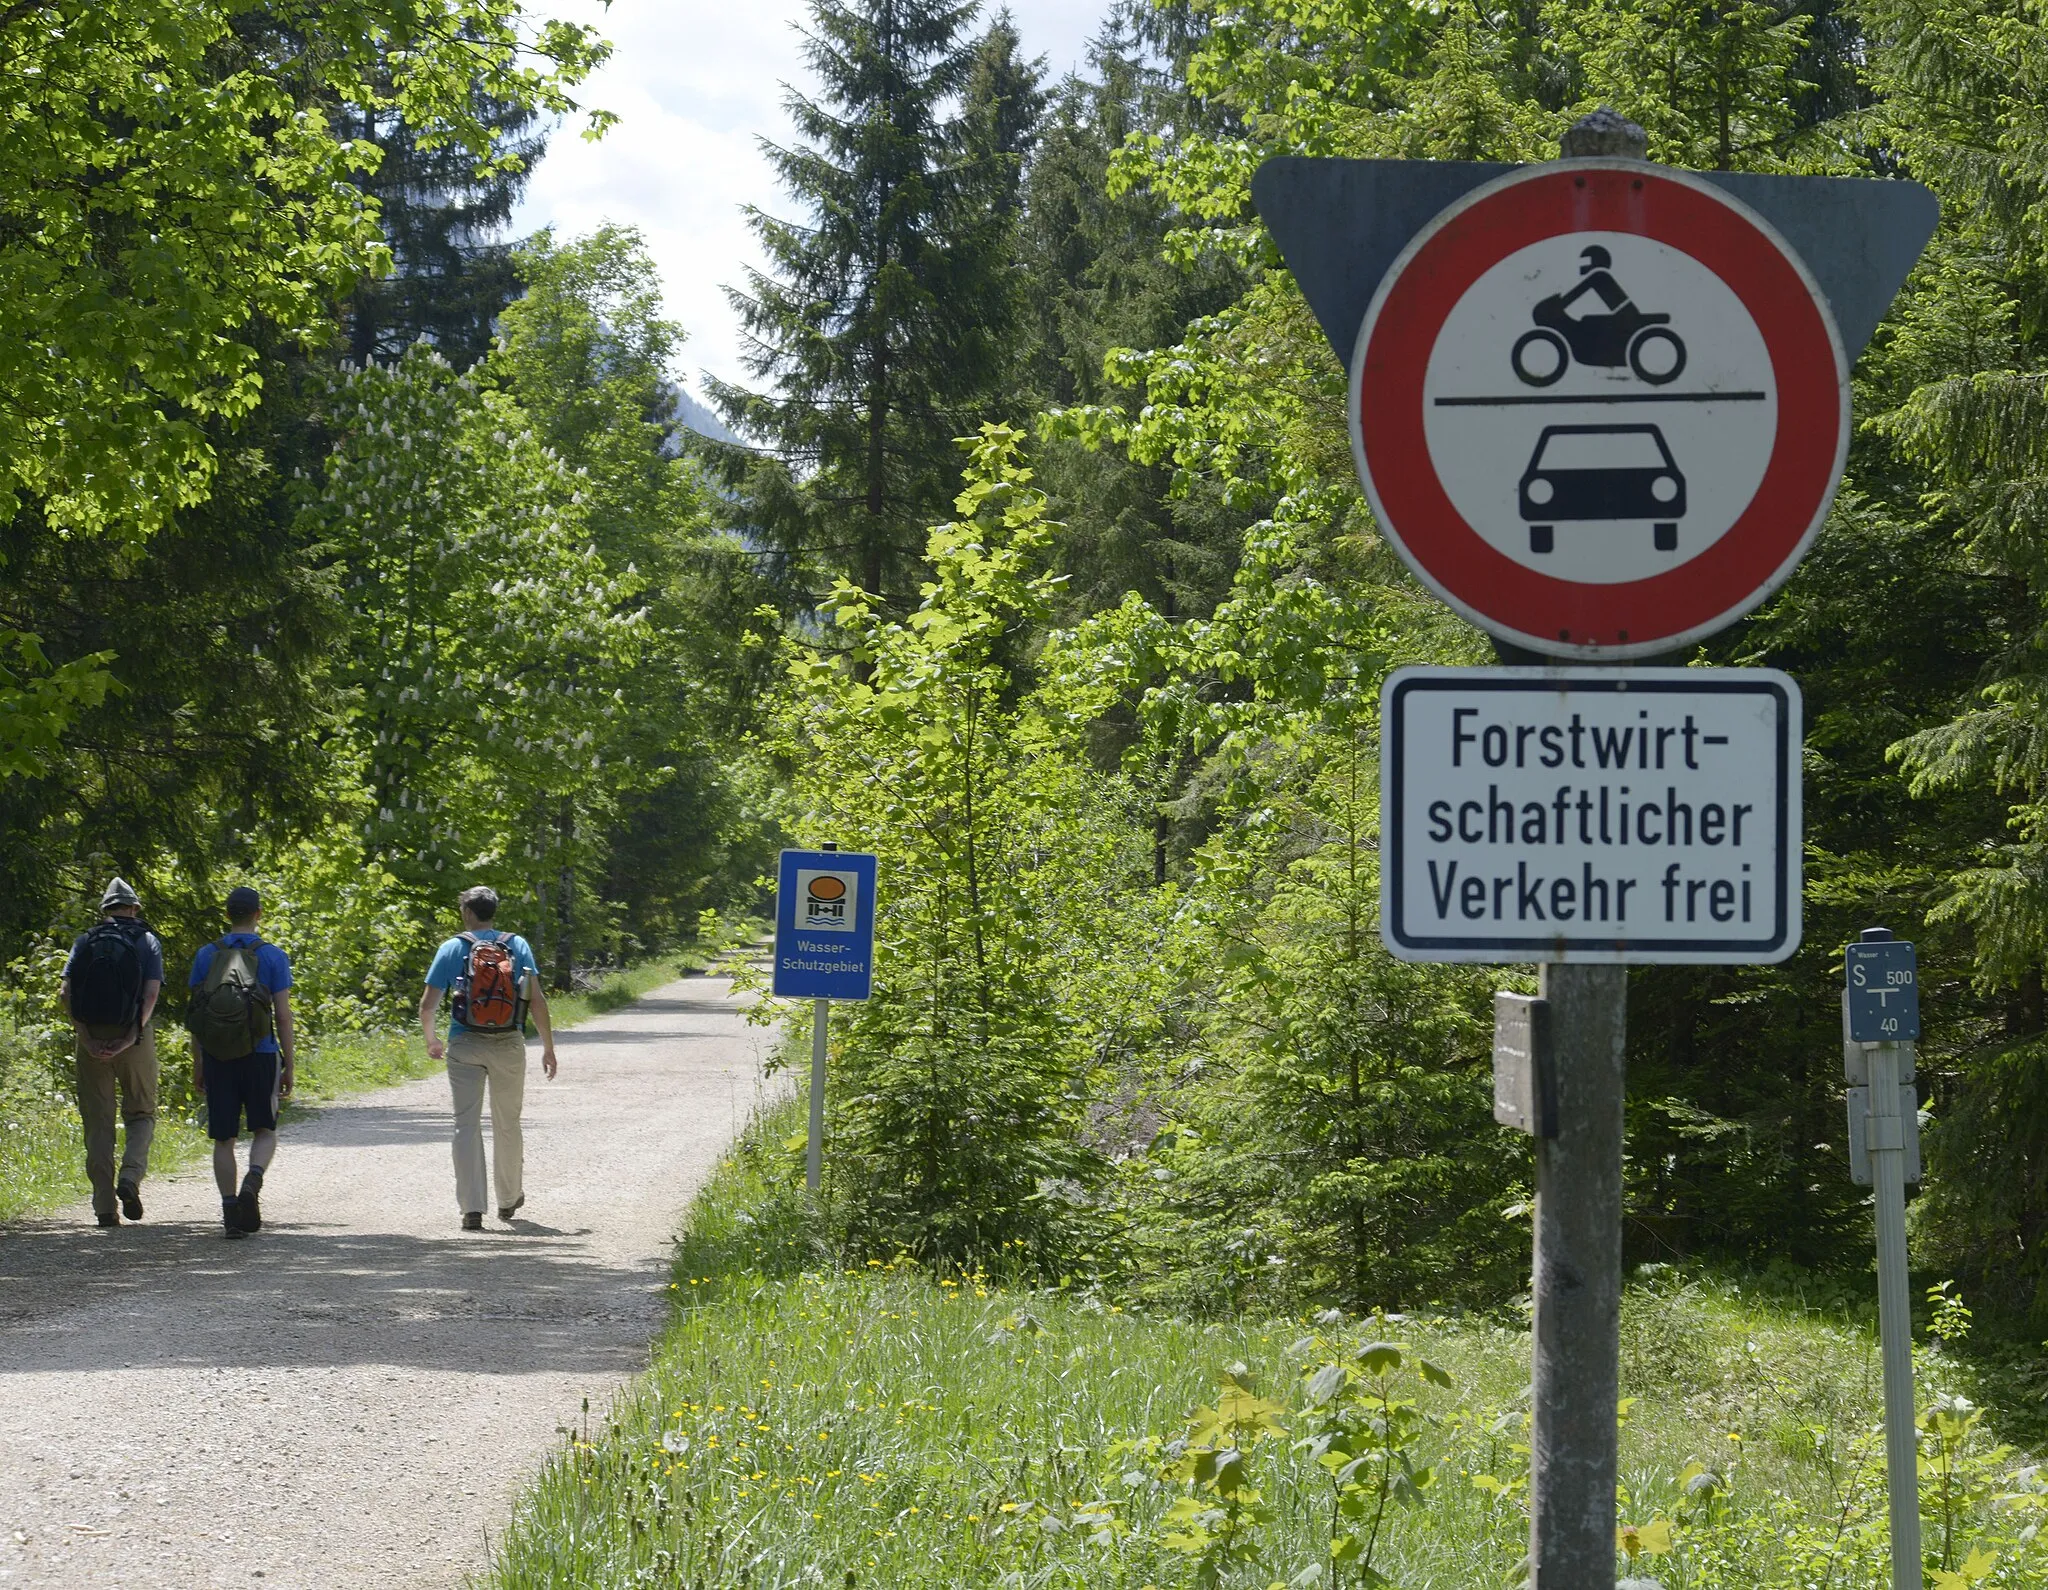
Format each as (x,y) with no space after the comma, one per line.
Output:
(242,1048)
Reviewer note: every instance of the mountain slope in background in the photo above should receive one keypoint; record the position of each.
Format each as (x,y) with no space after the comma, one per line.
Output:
(700,419)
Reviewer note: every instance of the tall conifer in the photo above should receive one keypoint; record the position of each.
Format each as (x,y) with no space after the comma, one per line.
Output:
(885,318)
(452,270)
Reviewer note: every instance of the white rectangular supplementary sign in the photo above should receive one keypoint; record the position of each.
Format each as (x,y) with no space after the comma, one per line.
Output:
(1590,814)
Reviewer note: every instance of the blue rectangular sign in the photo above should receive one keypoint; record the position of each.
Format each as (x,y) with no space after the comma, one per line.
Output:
(1884,992)
(825,925)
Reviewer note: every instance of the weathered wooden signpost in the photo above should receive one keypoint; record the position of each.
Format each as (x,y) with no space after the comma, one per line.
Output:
(1600,408)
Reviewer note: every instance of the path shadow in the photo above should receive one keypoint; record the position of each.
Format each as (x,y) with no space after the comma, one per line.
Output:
(176,1294)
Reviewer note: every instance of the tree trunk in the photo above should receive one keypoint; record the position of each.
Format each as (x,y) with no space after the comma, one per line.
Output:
(565,902)
(2026,1007)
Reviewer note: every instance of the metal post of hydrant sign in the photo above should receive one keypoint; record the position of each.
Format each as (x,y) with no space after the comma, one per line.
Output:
(1887,1139)
(1880,1024)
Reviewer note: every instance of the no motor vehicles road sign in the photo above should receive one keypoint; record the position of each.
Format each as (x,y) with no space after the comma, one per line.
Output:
(1582,815)
(1600,407)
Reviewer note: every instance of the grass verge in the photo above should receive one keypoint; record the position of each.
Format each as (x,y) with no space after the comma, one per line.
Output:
(804,1425)
(42,1151)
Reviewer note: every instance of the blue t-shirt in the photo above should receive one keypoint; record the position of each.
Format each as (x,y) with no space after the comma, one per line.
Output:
(453,955)
(273,970)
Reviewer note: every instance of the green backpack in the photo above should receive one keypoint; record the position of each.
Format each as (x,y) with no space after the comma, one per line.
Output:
(231,1009)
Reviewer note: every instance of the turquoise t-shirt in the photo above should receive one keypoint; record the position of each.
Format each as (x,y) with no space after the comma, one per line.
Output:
(450,958)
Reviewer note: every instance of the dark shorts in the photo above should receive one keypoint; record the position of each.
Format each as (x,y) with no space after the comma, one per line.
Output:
(234,1086)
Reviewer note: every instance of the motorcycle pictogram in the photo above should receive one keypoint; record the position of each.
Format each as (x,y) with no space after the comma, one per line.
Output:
(1624,334)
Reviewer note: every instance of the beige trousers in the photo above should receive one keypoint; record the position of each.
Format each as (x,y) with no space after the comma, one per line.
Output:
(133,1073)
(496,1060)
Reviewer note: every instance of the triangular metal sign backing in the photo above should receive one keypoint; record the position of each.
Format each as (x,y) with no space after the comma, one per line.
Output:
(1341,223)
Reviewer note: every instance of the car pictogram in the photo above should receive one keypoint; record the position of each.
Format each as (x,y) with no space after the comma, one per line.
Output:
(1573,326)
(1580,473)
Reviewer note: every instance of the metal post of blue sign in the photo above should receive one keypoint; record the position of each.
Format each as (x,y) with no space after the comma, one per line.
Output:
(1881,1021)
(814,1149)
(824,950)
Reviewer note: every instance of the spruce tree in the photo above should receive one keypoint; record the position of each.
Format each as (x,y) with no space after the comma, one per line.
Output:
(1100,279)
(452,271)
(885,319)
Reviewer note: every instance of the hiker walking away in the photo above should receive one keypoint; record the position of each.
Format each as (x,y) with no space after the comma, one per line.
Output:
(494,981)
(243,1052)
(110,988)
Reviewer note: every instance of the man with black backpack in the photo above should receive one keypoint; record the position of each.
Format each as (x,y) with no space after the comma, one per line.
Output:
(110,988)
(242,1051)
(495,981)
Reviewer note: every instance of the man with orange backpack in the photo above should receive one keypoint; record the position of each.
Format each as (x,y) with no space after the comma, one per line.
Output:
(494,980)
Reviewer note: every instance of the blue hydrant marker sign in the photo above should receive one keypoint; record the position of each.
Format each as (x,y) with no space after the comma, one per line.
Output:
(825,925)
(1590,815)
(1884,992)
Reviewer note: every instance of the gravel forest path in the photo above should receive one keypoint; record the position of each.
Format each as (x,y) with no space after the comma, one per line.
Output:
(352,1397)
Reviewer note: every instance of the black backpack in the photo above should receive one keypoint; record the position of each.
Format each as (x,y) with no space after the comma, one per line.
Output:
(106,990)
(231,1010)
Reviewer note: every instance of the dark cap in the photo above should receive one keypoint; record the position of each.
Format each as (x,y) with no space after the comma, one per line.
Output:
(243,903)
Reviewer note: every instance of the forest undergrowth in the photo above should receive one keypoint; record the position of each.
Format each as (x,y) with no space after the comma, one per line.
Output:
(809,1421)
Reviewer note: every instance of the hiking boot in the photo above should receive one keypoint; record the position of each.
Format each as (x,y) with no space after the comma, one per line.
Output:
(231,1218)
(507,1211)
(474,1221)
(131,1199)
(251,1211)
(108,1219)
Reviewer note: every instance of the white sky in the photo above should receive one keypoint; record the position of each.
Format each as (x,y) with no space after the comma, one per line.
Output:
(696,84)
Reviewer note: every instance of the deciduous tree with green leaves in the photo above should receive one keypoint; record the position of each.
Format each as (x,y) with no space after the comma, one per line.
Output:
(586,354)
(489,642)
(957,1090)
(176,195)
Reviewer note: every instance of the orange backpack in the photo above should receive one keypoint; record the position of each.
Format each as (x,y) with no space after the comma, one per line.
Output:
(487,992)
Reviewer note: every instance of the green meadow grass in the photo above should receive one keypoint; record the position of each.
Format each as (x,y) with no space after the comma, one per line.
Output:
(42,1151)
(806,1425)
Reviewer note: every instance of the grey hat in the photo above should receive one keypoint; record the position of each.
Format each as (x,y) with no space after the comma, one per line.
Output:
(118,893)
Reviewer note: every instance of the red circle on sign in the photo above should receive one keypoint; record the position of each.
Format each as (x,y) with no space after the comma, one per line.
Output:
(1577,618)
